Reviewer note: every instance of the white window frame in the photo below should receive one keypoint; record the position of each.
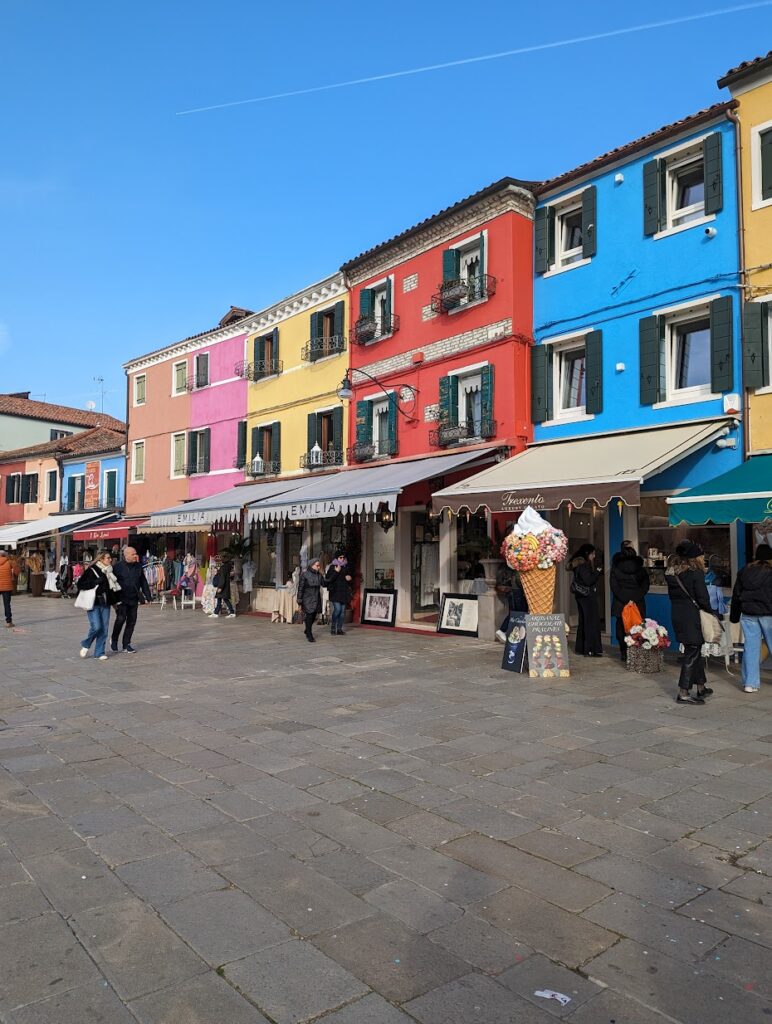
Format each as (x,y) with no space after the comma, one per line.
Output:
(208,370)
(468,246)
(17,488)
(566,257)
(136,379)
(175,366)
(55,496)
(675,215)
(673,319)
(105,475)
(379,406)
(757,203)
(134,446)
(378,287)
(184,435)
(767,389)
(77,477)
(562,206)
(674,158)
(559,353)
(565,341)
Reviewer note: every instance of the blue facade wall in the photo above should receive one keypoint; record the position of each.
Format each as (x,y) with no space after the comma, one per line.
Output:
(106,462)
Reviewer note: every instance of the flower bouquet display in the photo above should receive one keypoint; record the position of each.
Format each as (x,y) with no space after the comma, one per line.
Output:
(645,646)
(534,548)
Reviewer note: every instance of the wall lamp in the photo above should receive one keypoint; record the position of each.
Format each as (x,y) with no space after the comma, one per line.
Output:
(346,393)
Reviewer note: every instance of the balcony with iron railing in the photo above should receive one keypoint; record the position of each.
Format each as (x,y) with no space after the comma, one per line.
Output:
(263,467)
(448,434)
(259,369)
(195,382)
(320,348)
(461,291)
(77,505)
(369,451)
(316,458)
(372,328)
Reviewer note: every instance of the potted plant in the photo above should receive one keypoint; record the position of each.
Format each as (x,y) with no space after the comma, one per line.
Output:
(646,645)
(365,328)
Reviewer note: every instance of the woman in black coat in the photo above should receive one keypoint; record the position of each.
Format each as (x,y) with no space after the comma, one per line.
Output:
(629,582)
(338,582)
(310,595)
(688,595)
(584,588)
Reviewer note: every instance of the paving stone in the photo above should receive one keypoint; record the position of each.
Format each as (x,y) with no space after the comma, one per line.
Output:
(742,963)
(184,816)
(391,958)
(20,902)
(752,886)
(33,837)
(610,803)
(421,910)
(637,879)
(270,979)
(238,805)
(726,836)
(733,914)
(653,824)
(759,860)
(117,848)
(612,1006)
(305,844)
(614,836)
(692,808)
(306,776)
(354,872)
(538,973)
(379,807)
(40,957)
(104,819)
(561,936)
(223,843)
(427,829)
(489,820)
(557,847)
(427,796)
(565,888)
(545,812)
(95,1003)
(441,874)
(10,869)
(346,828)
(73,880)
(474,998)
(370,1010)
(279,795)
(661,983)
(702,864)
(169,877)
(480,944)
(207,999)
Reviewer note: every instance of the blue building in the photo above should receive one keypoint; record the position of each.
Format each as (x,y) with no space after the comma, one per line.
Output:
(637,323)
(95,479)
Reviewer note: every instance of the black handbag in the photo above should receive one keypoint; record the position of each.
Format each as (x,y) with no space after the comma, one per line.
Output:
(580,590)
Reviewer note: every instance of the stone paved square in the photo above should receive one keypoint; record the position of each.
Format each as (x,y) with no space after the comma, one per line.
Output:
(236,832)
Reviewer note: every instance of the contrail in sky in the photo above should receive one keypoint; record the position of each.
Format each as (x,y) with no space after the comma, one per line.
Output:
(488,56)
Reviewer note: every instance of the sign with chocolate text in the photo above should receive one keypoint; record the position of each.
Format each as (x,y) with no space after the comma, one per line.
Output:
(91,485)
(547,647)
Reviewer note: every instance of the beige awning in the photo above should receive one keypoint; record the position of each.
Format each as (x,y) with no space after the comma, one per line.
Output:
(580,470)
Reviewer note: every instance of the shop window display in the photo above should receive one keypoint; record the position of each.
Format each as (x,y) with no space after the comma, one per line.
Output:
(264,557)
(425,567)
(657,541)
(472,545)
(382,559)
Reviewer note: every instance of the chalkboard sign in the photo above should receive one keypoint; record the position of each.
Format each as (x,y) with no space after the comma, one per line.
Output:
(515,653)
(547,647)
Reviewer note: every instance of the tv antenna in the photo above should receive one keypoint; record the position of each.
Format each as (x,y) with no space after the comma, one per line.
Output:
(101,382)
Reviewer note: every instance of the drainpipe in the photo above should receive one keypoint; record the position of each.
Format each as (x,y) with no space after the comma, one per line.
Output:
(733,117)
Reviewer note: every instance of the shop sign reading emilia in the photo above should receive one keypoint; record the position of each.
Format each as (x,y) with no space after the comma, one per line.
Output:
(326,508)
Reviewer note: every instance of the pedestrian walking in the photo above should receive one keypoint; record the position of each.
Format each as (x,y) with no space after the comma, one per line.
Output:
(222,585)
(685,577)
(134,592)
(752,608)
(310,595)
(338,582)
(584,587)
(629,581)
(9,571)
(99,578)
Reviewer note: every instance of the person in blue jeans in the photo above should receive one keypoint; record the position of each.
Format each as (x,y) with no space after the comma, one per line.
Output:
(752,608)
(100,578)
(338,583)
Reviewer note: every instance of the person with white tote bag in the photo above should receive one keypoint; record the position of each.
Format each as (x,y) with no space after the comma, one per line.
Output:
(98,591)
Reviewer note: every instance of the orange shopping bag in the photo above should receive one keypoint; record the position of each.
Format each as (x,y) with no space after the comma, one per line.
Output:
(631,616)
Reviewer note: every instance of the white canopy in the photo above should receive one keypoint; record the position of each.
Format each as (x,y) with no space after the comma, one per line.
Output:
(10,536)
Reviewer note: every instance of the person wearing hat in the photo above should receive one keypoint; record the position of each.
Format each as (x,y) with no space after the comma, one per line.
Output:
(752,608)
(310,595)
(338,581)
(688,595)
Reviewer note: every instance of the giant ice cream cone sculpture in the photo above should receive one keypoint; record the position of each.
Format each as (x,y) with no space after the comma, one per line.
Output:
(534,548)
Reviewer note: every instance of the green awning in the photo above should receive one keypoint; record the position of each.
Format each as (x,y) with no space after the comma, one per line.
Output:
(744,493)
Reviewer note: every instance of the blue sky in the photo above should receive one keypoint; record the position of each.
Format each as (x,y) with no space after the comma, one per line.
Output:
(124,227)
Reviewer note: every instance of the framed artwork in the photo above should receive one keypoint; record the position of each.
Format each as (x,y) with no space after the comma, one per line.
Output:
(458,614)
(379,608)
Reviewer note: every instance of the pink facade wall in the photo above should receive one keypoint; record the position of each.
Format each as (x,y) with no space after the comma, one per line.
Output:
(221,407)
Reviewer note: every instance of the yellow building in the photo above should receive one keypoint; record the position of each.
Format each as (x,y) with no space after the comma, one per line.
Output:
(296,358)
(751,85)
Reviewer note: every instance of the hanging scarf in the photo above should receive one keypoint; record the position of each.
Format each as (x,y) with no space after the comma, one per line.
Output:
(108,572)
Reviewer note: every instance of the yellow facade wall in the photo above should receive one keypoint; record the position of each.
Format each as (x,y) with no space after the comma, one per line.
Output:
(302,387)
(756,109)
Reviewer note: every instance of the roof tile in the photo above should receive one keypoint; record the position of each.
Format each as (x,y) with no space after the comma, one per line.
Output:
(87,442)
(12,405)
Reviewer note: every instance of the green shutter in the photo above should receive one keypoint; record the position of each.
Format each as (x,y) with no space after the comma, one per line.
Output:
(276,446)
(192,451)
(541,383)
(711,157)
(482,291)
(241,443)
(316,333)
(755,345)
(25,488)
(364,422)
(206,437)
(255,441)
(589,221)
(259,357)
(486,401)
(593,352)
(111,480)
(451,265)
(256,344)
(541,240)
(339,320)
(721,344)
(261,444)
(70,492)
(652,214)
(765,145)
(651,338)
(313,430)
(366,303)
(448,401)
(337,428)
(386,327)
(275,339)
(392,422)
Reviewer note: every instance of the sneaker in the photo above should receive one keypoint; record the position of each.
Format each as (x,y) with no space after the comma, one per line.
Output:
(501,636)
(213,615)
(102,657)
(114,647)
(84,652)
(231,615)
(9,625)
(750,689)
(128,649)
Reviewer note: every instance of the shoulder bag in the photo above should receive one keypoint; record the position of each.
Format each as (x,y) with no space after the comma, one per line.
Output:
(712,630)
(86,599)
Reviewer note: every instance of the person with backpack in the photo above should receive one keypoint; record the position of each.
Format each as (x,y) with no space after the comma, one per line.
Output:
(752,608)
(222,586)
(338,582)
(629,581)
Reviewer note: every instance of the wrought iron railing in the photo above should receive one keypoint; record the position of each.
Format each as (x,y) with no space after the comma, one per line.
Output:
(194,382)
(318,348)
(240,462)
(78,505)
(366,452)
(370,328)
(243,369)
(317,459)
(259,369)
(462,433)
(461,291)
(264,467)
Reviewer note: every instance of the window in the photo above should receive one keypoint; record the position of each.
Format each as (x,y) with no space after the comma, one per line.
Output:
(266,450)
(13,489)
(686,191)
(76,492)
(684,187)
(689,355)
(110,489)
(765,159)
(57,435)
(761,165)
(657,541)
(470,404)
(569,234)
(327,333)
(198,451)
(52,485)
(140,389)
(565,233)
(325,439)
(178,454)
(138,462)
(375,316)
(202,370)
(463,275)
(571,378)
(29,488)
(180,378)
(465,407)
(381,426)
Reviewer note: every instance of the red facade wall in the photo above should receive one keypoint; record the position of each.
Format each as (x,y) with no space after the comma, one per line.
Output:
(509,248)
(10,513)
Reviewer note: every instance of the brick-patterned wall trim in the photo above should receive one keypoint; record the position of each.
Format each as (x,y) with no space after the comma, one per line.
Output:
(410,283)
(431,413)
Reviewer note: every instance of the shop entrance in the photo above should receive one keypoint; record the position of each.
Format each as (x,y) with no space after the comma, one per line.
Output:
(425,567)
(581,526)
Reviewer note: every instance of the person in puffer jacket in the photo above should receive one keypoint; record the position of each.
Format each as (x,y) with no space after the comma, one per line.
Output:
(752,608)
(9,570)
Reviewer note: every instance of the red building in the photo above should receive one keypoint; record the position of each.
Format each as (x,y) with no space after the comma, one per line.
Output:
(440,364)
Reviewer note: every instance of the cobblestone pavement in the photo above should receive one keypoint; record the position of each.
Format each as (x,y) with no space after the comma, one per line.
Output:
(233,827)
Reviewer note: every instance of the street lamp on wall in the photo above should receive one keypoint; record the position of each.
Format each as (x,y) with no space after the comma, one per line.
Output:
(406,396)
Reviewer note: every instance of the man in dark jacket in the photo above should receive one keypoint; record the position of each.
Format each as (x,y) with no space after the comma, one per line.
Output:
(629,581)
(310,595)
(134,591)
(752,607)
(338,581)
